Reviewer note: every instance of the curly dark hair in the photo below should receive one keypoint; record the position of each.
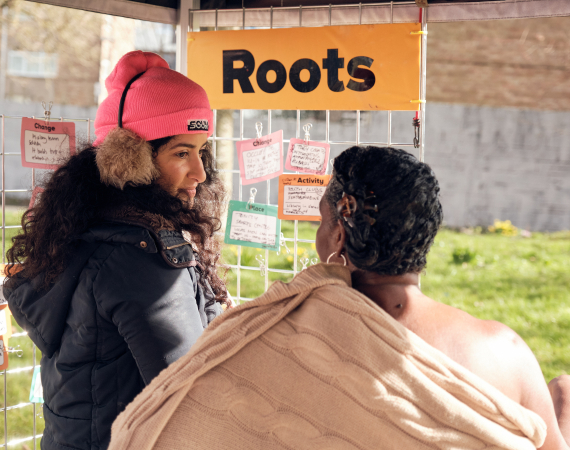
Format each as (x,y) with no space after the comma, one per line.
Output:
(396,238)
(75,199)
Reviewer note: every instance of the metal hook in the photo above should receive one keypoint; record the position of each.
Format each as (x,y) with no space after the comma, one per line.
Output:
(47,111)
(261,262)
(416,124)
(282,243)
(331,164)
(304,261)
(258,129)
(17,350)
(314,261)
(306,129)
(251,201)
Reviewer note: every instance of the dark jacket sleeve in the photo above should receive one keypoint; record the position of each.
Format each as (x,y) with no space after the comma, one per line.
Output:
(152,304)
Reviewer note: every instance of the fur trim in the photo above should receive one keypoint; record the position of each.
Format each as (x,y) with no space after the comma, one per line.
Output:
(123,157)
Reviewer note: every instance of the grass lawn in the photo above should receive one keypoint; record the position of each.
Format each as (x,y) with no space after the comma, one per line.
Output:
(522,282)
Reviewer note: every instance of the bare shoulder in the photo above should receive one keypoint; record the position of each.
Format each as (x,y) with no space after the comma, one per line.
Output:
(497,354)
(489,349)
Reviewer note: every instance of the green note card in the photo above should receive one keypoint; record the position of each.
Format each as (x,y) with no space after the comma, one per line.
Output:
(253,225)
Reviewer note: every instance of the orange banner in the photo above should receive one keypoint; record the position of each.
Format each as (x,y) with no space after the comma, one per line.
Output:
(356,67)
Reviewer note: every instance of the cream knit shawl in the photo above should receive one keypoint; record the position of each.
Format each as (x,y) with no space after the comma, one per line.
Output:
(314,364)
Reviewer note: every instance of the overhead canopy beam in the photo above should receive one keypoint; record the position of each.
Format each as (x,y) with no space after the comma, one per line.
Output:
(164,11)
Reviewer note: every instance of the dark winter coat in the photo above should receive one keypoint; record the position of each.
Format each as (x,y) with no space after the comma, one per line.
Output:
(128,305)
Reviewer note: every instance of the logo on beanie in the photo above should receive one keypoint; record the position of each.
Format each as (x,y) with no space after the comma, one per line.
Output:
(198,125)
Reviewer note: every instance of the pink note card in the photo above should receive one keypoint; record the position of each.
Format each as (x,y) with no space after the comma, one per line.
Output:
(46,145)
(35,193)
(261,158)
(307,157)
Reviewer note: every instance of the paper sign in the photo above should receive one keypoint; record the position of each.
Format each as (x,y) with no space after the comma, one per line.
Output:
(311,157)
(253,225)
(299,196)
(348,67)
(46,146)
(37,390)
(35,193)
(260,159)
(3,354)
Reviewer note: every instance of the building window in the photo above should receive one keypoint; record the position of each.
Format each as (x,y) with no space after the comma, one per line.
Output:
(32,64)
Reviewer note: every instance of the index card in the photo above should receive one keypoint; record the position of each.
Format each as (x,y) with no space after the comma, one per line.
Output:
(307,157)
(253,225)
(261,158)
(299,196)
(46,145)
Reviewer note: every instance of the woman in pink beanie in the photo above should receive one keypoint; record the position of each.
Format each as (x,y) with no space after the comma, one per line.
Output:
(119,263)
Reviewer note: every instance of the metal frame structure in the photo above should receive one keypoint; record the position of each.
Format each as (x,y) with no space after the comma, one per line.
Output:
(190,21)
(16,337)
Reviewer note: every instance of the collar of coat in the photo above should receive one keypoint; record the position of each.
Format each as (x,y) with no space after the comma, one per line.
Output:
(177,248)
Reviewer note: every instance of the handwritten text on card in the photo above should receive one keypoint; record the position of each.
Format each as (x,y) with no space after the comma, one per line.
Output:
(308,157)
(253,228)
(46,147)
(299,196)
(262,161)
(302,201)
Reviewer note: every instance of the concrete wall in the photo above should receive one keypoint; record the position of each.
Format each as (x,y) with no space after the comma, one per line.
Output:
(497,163)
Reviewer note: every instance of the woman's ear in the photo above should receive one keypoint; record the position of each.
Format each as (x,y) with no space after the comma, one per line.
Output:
(339,235)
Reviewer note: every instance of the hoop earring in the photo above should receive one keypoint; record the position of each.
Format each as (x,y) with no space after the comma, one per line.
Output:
(341,255)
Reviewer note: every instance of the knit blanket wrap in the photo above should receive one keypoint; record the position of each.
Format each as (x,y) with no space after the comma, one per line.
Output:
(314,364)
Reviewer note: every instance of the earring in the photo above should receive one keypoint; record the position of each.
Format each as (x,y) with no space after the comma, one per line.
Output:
(334,253)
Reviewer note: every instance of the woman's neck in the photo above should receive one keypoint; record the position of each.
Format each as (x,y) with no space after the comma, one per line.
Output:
(393,293)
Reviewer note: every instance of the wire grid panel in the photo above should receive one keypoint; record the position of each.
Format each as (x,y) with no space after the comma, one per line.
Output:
(23,420)
(340,129)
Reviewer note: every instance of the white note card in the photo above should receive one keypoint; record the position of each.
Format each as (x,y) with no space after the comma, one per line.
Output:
(261,162)
(308,157)
(302,200)
(256,228)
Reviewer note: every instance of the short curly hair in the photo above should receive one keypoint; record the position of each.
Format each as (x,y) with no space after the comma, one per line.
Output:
(401,195)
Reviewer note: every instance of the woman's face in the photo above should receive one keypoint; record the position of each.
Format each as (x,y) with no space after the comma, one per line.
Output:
(180,165)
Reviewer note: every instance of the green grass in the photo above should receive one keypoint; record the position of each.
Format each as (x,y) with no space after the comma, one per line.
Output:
(522,282)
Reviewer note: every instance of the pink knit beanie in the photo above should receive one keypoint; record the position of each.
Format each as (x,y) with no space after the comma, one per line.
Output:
(155,102)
